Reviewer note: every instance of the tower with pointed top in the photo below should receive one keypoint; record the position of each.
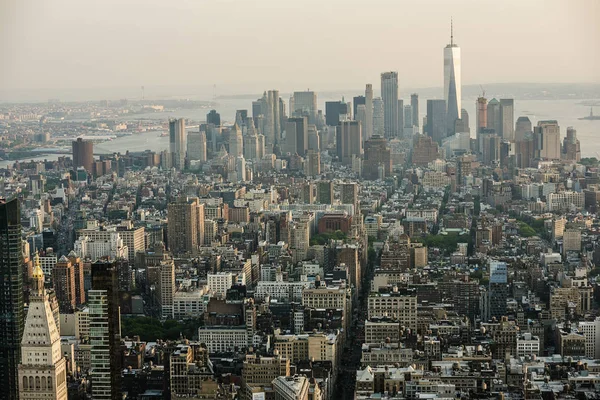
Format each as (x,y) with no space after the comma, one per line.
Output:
(452,82)
(42,371)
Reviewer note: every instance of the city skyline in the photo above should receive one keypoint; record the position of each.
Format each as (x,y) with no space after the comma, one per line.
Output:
(144,63)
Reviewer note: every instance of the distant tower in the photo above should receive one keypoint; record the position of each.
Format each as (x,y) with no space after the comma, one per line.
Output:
(83,154)
(378,116)
(368,126)
(42,371)
(436,120)
(389,94)
(177,142)
(414,103)
(452,81)
(236,141)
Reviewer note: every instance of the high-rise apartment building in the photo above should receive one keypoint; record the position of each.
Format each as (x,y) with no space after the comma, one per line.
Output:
(78,267)
(414,103)
(325,192)
(436,120)
(368,125)
(63,279)
(498,290)
(349,141)
(83,154)
(185,229)
(305,105)
(166,288)
(389,95)
(377,158)
(11,297)
(452,84)
(105,332)
(177,142)
(42,371)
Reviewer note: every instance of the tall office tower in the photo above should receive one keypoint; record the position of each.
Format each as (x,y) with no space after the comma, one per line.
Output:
(452,82)
(414,103)
(166,288)
(314,139)
(42,371)
(196,146)
(105,332)
(349,194)
(361,116)
(276,113)
(308,193)
(177,142)
(213,117)
(348,141)
(408,115)
(83,154)
(282,116)
(522,127)
(436,120)
(260,150)
(464,121)
(305,104)
(507,119)
(571,146)
(389,95)
(400,117)
(185,227)
(256,111)
(335,111)
(268,125)
(251,145)
(378,117)
(368,126)
(240,117)
(494,117)
(498,289)
(377,154)
(296,135)
(357,101)
(481,117)
(236,141)
(325,192)
(11,297)
(213,135)
(313,163)
(548,134)
(63,280)
(240,169)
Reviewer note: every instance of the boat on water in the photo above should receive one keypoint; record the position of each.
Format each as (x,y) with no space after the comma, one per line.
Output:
(592,117)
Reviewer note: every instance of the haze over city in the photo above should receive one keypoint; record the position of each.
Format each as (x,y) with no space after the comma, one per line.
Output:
(244,46)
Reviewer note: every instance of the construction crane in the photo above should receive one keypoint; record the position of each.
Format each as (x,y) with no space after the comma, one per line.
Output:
(482,91)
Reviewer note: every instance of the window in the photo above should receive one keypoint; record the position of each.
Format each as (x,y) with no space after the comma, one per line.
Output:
(25,383)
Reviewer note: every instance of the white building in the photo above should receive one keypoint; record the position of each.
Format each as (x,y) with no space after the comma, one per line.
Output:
(190,303)
(42,372)
(281,291)
(113,248)
(452,81)
(223,339)
(527,345)
(220,282)
(591,332)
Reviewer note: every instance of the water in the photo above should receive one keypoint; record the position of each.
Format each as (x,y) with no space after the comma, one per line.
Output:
(566,112)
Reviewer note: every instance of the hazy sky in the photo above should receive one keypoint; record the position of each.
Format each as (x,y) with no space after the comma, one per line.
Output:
(321,44)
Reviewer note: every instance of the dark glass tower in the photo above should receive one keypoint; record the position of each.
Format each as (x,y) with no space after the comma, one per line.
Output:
(11,297)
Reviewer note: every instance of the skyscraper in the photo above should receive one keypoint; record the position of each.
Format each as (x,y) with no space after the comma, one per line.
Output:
(177,142)
(105,332)
(348,141)
(507,118)
(185,228)
(42,372)
(325,192)
(494,117)
(548,134)
(414,103)
(452,82)
(63,279)
(305,104)
(400,117)
(213,117)
(11,297)
(83,154)
(436,120)
(361,116)
(481,116)
(296,131)
(498,289)
(571,146)
(196,146)
(378,111)
(408,115)
(522,127)
(357,101)
(389,95)
(377,155)
(335,111)
(368,126)
(236,141)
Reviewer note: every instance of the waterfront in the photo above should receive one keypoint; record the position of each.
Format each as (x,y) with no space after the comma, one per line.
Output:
(566,112)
